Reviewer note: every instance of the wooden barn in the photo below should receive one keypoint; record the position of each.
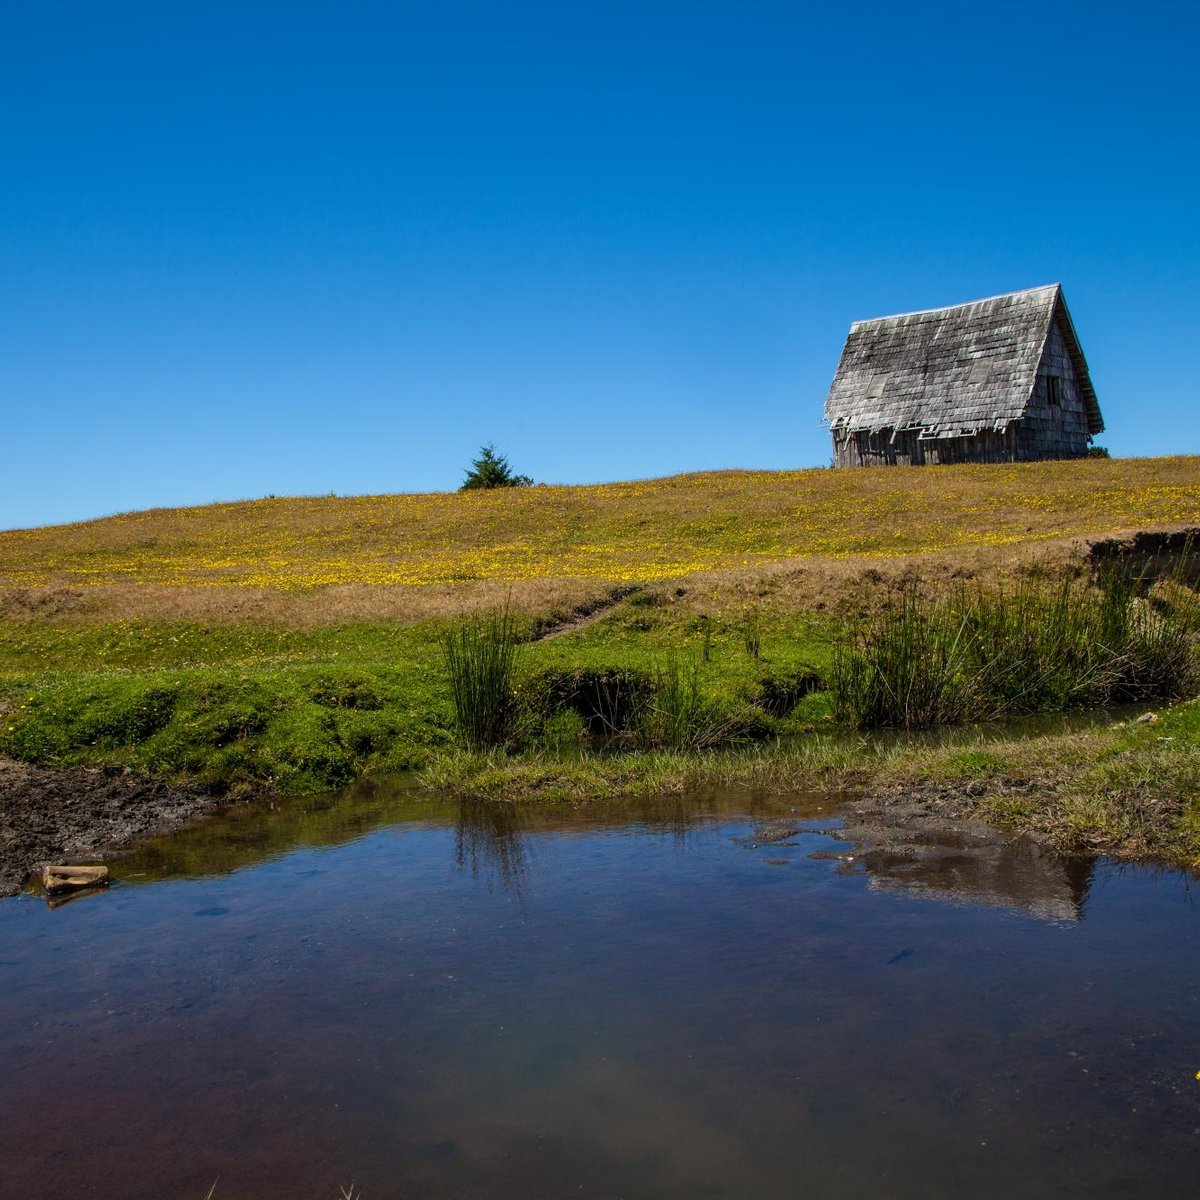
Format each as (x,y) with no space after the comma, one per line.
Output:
(999,380)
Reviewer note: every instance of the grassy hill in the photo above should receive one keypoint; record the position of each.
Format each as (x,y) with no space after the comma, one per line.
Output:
(636,532)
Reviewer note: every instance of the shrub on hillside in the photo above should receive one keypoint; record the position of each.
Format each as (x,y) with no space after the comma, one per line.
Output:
(491,470)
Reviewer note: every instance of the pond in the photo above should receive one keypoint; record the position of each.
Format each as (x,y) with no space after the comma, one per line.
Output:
(718,996)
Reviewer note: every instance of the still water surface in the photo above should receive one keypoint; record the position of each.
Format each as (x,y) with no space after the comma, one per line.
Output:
(660,1000)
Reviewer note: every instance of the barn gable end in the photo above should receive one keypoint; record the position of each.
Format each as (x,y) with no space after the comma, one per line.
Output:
(995,381)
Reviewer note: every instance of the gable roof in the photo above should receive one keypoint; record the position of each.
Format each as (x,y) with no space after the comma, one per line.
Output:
(953,371)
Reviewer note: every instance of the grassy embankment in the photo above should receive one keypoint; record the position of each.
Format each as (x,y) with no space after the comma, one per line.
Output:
(296,643)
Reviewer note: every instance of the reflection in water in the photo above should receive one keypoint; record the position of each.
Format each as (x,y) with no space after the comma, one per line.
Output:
(493,837)
(960,861)
(963,861)
(490,833)
(716,996)
(974,868)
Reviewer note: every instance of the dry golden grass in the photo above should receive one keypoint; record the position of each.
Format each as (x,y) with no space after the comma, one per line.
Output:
(556,548)
(857,583)
(334,605)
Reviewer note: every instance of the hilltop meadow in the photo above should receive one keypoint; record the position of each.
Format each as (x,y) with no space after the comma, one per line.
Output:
(296,643)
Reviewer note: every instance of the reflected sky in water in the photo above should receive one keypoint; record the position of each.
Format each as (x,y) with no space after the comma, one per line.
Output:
(716,996)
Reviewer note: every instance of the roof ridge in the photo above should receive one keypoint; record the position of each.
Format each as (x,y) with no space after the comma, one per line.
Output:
(921,312)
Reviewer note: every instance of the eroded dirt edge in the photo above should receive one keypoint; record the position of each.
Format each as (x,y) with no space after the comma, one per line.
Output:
(66,815)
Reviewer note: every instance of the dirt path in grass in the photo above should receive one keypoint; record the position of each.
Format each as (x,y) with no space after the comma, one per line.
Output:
(586,614)
(77,813)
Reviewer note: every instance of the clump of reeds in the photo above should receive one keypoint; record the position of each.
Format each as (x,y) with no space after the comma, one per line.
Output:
(481,657)
(679,715)
(981,655)
(675,714)
(1160,658)
(908,666)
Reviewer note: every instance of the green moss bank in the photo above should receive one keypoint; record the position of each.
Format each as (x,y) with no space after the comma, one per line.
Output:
(243,707)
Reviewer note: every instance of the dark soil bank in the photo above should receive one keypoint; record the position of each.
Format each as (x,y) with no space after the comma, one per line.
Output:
(56,815)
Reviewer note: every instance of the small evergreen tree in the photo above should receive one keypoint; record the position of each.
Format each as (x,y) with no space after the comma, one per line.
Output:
(491,470)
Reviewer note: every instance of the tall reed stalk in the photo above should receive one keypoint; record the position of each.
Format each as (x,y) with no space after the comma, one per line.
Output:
(481,658)
(752,633)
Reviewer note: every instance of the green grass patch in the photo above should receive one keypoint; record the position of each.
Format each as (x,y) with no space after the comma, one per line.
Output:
(233,709)
(243,706)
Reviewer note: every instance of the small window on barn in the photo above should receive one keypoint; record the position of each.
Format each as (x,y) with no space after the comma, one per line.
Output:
(878,383)
(1053,390)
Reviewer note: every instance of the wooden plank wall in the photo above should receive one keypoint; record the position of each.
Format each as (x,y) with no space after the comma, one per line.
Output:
(909,450)
(1054,430)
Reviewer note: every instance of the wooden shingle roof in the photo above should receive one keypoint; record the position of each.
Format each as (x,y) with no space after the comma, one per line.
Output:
(953,371)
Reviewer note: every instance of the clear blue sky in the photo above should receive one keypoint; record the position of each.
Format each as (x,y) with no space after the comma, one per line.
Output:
(291,248)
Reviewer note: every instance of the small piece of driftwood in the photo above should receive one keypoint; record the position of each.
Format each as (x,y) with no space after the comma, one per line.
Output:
(56,879)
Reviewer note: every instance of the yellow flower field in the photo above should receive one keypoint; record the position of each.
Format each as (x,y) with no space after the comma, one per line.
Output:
(623,532)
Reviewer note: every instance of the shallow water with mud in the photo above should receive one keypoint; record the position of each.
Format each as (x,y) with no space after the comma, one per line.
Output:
(720,996)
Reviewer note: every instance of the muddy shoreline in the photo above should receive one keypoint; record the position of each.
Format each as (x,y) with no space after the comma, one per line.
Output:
(77,813)
(64,815)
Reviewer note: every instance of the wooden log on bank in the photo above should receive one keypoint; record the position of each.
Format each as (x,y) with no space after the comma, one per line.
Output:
(58,879)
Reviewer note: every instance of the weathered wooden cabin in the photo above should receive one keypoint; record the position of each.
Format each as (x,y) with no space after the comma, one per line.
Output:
(999,380)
